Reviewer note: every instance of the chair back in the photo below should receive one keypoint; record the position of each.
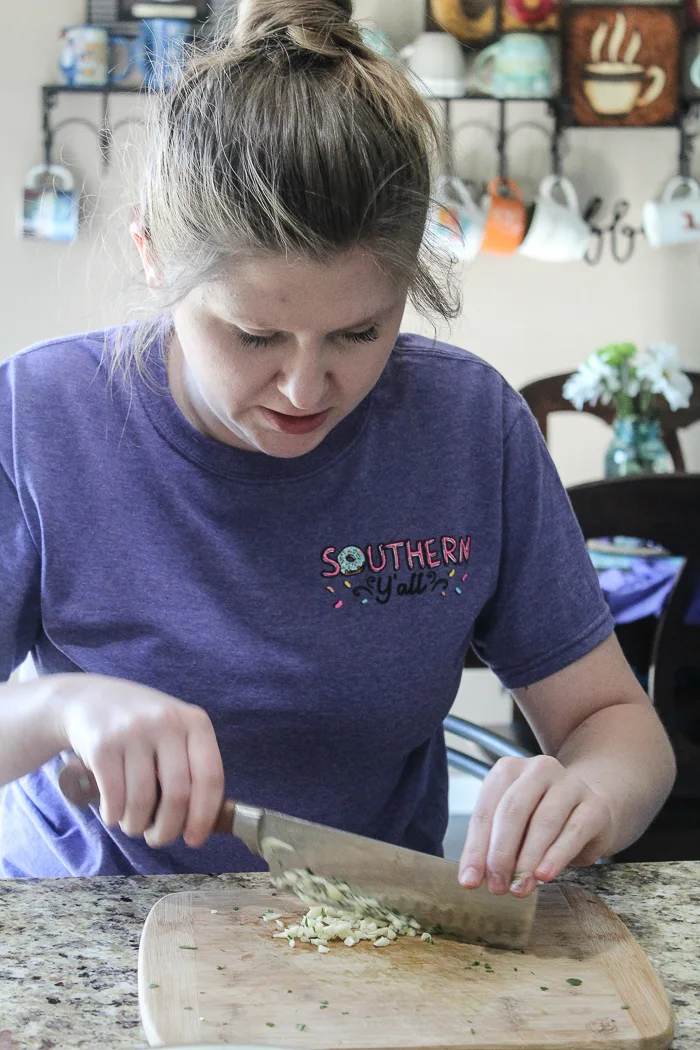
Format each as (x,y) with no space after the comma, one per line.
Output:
(664,508)
(544,396)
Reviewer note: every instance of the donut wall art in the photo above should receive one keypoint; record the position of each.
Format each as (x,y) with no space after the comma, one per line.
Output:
(622,64)
(476,21)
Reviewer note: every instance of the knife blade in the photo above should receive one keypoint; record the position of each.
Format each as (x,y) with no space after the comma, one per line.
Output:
(414,884)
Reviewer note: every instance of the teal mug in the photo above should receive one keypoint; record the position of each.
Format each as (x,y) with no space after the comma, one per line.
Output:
(520,67)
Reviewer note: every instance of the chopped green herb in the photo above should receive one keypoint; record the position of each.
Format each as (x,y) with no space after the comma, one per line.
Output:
(188,947)
(221,967)
(324,1002)
(515,968)
(188,1008)
(573,981)
(624,1006)
(544,988)
(473,1031)
(345,1013)
(235,909)
(154,986)
(301,1027)
(476,964)
(289,991)
(269,1024)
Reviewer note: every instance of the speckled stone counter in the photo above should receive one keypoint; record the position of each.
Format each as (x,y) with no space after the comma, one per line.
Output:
(68,949)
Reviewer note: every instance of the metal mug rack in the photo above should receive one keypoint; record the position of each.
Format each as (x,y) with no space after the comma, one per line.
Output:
(621,235)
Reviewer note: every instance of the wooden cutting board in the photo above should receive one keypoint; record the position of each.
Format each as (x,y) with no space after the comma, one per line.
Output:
(211,972)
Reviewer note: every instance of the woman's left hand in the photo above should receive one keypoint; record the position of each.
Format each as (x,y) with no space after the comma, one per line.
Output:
(533,817)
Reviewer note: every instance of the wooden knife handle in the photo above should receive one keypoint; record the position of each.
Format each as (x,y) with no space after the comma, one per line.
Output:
(80,787)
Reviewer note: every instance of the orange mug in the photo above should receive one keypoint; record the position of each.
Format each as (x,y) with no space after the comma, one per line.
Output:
(505,219)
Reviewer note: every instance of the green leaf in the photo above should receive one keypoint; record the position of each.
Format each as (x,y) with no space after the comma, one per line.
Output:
(573,981)
(154,986)
(544,988)
(269,1024)
(301,1027)
(221,967)
(188,948)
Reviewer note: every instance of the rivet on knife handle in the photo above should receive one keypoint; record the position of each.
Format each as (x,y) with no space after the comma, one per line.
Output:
(79,786)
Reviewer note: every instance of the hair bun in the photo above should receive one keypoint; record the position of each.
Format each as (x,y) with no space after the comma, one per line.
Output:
(322,27)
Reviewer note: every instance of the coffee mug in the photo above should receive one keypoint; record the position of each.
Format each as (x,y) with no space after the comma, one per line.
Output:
(694,71)
(86,56)
(556,231)
(163,44)
(456,221)
(436,65)
(672,219)
(521,67)
(378,40)
(505,218)
(614,89)
(49,205)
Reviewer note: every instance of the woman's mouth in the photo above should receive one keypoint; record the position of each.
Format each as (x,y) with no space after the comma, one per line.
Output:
(294,424)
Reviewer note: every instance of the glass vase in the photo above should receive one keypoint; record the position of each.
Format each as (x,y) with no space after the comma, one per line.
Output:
(637,448)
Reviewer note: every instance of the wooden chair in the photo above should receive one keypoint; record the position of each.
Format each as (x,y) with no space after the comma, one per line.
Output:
(665,509)
(544,396)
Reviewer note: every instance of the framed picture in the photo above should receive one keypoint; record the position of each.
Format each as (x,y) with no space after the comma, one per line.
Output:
(622,64)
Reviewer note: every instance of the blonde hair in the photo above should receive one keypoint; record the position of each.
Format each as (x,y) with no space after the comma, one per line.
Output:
(289,135)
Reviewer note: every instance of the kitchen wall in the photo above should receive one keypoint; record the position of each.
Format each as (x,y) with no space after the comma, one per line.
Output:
(527,318)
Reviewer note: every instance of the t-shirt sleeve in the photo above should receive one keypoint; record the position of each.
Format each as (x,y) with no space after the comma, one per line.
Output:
(547,609)
(20,580)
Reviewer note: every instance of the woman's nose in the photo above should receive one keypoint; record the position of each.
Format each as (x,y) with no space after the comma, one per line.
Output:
(304,381)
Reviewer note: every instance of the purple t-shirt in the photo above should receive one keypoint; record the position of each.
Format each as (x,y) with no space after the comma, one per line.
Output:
(318,608)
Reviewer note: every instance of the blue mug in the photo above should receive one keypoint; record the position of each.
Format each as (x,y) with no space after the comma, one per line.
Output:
(87,56)
(162,43)
(519,65)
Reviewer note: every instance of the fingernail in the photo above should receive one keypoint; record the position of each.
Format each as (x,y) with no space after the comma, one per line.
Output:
(497,884)
(522,884)
(469,875)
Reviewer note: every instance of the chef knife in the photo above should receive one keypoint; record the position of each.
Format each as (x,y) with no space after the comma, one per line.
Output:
(414,884)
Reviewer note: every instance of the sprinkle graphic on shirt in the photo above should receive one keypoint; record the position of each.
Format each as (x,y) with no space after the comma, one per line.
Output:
(402,569)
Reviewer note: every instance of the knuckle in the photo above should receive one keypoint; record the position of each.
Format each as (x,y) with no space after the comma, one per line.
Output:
(480,819)
(545,764)
(509,765)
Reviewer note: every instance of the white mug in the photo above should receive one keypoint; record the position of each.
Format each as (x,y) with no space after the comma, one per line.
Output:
(455,220)
(672,219)
(50,205)
(436,65)
(557,232)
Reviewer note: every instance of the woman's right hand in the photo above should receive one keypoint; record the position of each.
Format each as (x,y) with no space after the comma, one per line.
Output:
(138,741)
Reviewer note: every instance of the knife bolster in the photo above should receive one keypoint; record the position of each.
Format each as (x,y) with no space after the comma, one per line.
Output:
(246,826)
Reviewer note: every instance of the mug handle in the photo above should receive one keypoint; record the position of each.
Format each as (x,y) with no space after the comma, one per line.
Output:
(658,82)
(495,185)
(487,55)
(567,188)
(675,184)
(455,186)
(56,171)
(130,49)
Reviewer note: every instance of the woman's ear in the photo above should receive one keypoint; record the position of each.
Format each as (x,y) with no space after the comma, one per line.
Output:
(143,245)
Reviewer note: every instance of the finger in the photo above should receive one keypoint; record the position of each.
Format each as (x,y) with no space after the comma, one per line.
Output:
(141,787)
(512,817)
(586,823)
(107,767)
(207,790)
(472,866)
(545,826)
(173,770)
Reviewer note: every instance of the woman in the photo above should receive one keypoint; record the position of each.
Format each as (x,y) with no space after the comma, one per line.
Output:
(249,548)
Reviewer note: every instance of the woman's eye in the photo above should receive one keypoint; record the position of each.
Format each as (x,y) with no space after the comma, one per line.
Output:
(367,336)
(247,339)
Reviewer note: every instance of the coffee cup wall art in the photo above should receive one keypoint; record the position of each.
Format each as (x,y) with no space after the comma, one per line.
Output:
(622,65)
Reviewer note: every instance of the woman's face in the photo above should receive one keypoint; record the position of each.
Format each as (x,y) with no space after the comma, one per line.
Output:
(272,357)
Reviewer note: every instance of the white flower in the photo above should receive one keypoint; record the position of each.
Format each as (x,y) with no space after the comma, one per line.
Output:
(594,381)
(658,370)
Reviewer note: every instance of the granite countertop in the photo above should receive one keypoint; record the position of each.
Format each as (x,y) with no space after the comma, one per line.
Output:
(68,948)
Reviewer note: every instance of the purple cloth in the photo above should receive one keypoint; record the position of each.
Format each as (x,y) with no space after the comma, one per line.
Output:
(133,546)
(641,590)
